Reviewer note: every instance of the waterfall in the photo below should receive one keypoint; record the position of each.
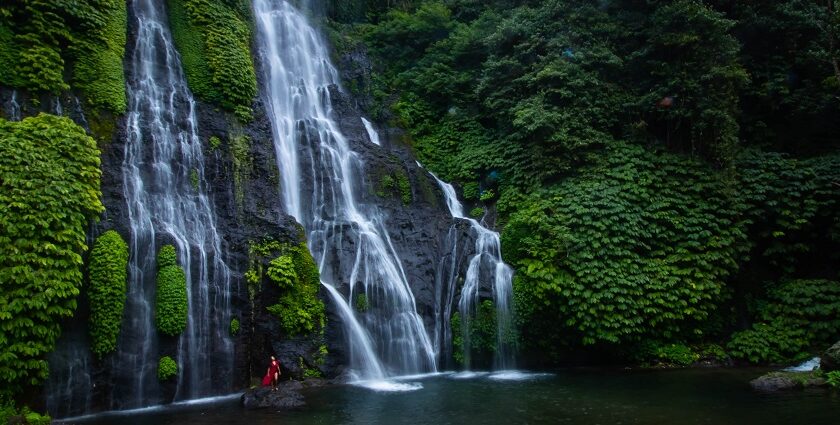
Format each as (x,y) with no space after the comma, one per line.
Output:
(347,238)
(372,134)
(486,263)
(14,110)
(166,194)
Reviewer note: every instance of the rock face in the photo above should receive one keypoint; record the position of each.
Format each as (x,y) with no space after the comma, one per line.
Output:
(287,396)
(830,360)
(778,381)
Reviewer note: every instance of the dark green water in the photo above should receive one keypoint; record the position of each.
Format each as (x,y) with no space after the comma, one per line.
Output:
(682,397)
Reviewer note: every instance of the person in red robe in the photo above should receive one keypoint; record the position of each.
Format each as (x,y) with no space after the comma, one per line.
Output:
(272,375)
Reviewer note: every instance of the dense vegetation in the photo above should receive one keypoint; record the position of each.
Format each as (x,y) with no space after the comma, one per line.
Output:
(43,42)
(213,38)
(291,270)
(666,174)
(167,368)
(171,299)
(108,272)
(49,170)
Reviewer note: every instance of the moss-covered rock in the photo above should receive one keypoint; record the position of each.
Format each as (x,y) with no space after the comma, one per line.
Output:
(171,300)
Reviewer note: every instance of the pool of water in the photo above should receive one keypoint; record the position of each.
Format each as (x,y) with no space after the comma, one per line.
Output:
(602,397)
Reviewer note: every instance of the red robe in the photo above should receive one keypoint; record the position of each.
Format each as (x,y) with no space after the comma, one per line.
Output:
(273,369)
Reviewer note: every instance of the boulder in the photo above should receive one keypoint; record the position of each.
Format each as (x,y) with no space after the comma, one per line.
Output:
(830,360)
(777,381)
(287,396)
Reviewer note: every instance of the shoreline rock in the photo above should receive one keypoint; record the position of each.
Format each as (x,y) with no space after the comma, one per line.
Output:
(779,381)
(830,360)
(287,396)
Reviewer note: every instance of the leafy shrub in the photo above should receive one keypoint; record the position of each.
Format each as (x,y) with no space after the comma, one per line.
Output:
(234,327)
(813,305)
(676,354)
(167,256)
(167,368)
(8,411)
(50,173)
(281,271)
(833,378)
(774,342)
(481,333)
(477,212)
(108,271)
(171,300)
(294,270)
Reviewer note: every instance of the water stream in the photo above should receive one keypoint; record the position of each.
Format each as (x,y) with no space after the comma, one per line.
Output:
(485,265)
(321,179)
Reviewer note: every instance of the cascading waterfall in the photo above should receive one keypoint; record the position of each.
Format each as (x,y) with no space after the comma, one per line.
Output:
(163,161)
(372,134)
(486,263)
(343,233)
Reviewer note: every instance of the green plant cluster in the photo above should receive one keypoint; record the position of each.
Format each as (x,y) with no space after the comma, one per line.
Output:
(396,183)
(240,151)
(361,303)
(833,378)
(42,41)
(167,368)
(213,38)
(234,327)
(293,270)
(171,298)
(50,173)
(795,316)
(11,414)
(108,273)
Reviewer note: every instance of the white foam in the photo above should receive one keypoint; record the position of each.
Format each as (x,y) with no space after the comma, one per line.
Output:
(517,375)
(805,366)
(388,386)
(468,375)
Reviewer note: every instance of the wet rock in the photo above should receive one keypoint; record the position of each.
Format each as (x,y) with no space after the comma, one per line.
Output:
(779,381)
(286,396)
(830,360)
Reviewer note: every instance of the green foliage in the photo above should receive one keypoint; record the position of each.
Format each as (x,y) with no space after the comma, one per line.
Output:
(167,368)
(395,184)
(10,414)
(50,174)
(361,303)
(213,38)
(477,212)
(626,250)
(481,332)
(294,271)
(167,256)
(281,271)
(670,354)
(171,300)
(833,378)
(234,327)
(98,68)
(108,272)
(194,179)
(215,143)
(775,342)
(39,38)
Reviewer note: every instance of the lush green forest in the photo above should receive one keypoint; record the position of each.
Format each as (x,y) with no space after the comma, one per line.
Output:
(665,173)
